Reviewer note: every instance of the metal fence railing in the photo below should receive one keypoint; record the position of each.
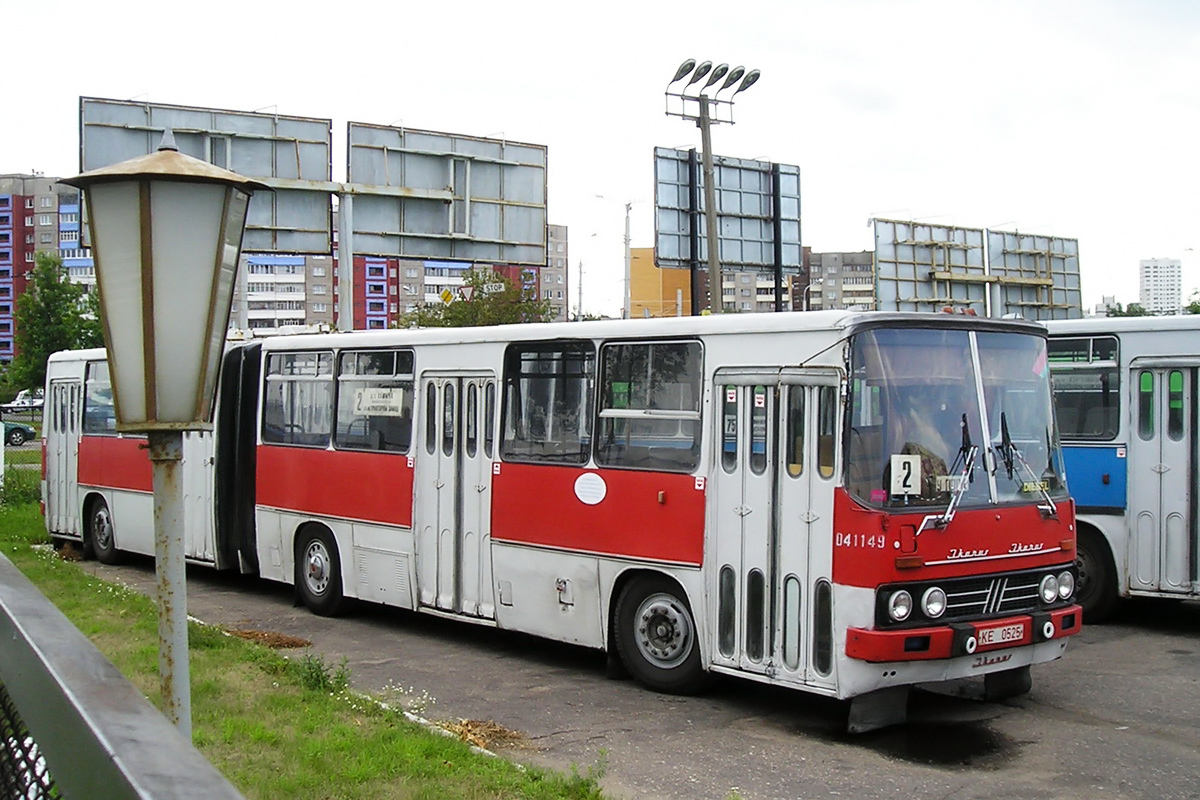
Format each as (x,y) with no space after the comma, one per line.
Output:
(23,771)
(71,726)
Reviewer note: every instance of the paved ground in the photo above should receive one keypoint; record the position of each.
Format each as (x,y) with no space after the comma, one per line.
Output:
(1118,717)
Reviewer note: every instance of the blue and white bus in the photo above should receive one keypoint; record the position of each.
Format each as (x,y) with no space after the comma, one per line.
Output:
(1125,389)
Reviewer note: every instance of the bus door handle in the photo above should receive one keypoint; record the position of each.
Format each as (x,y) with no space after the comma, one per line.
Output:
(438,484)
(479,487)
(742,511)
(1160,468)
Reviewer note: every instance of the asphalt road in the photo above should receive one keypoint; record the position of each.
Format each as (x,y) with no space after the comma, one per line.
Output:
(1117,717)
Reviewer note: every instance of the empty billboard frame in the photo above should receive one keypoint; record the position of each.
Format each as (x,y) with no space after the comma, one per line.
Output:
(292,155)
(1037,277)
(435,195)
(758,213)
(925,267)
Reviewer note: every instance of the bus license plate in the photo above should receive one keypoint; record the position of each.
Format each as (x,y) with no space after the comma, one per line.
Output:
(1003,634)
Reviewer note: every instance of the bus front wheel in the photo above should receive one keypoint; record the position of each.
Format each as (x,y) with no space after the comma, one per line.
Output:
(1096,589)
(101,533)
(656,636)
(319,572)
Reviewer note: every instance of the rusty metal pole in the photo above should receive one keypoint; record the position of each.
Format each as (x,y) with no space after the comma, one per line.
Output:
(166,456)
(716,292)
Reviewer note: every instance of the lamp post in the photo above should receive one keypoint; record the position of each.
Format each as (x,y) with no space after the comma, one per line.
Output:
(627,308)
(699,108)
(166,233)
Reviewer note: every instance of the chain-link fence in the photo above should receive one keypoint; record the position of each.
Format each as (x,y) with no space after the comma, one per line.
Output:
(23,771)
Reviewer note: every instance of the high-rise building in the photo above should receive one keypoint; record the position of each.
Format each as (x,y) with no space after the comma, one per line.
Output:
(840,280)
(1161,286)
(554,282)
(36,214)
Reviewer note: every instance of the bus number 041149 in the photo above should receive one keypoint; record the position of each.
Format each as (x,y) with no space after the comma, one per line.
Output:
(866,540)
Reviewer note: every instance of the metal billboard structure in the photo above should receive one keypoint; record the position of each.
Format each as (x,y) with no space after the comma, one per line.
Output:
(447,196)
(758,212)
(924,267)
(1036,276)
(292,155)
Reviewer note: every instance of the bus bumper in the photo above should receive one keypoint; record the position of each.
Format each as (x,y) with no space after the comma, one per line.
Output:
(962,638)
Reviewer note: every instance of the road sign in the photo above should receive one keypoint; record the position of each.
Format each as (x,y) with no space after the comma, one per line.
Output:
(493,288)
(447,296)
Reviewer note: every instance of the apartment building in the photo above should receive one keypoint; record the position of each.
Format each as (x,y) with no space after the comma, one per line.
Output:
(839,280)
(1160,285)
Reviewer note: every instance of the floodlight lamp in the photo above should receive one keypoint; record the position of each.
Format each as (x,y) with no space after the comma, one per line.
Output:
(735,75)
(750,79)
(717,74)
(700,72)
(684,69)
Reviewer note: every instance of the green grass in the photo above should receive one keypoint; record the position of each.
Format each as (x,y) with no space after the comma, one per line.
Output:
(27,455)
(276,727)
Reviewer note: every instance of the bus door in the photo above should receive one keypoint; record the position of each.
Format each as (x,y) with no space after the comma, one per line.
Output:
(62,414)
(1162,475)
(772,464)
(454,477)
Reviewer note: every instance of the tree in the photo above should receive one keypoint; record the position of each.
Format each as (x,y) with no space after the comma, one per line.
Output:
(1193,306)
(52,314)
(510,305)
(1133,310)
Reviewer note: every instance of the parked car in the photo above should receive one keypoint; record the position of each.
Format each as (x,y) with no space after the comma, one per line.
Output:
(24,401)
(18,433)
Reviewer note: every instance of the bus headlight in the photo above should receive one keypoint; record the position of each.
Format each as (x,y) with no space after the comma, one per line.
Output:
(900,606)
(933,602)
(1048,589)
(1066,585)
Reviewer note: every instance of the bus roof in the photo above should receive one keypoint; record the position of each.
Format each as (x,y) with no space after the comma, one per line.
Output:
(1111,325)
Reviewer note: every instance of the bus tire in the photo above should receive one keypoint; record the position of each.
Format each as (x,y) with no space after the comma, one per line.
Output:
(1096,587)
(656,636)
(319,572)
(101,535)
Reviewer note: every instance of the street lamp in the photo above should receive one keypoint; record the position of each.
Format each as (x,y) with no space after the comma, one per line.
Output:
(699,108)
(628,307)
(166,233)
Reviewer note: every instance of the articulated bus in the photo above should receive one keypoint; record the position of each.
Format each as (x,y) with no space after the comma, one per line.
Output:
(845,503)
(1126,396)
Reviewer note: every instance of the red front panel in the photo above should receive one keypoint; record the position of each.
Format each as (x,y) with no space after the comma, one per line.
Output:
(872,547)
(377,487)
(115,462)
(651,515)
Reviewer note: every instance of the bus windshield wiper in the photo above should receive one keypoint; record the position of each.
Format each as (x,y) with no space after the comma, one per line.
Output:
(961,477)
(1011,457)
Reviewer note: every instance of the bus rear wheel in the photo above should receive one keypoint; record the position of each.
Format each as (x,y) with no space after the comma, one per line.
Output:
(319,572)
(101,535)
(656,636)
(1096,589)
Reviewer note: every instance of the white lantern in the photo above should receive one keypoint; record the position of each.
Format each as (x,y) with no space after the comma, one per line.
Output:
(166,233)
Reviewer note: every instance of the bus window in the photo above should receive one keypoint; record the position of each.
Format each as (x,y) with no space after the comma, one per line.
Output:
(375,400)
(99,416)
(758,431)
(729,428)
(1175,405)
(448,417)
(431,418)
(1146,405)
(794,445)
(489,419)
(826,430)
(298,399)
(650,406)
(471,420)
(548,402)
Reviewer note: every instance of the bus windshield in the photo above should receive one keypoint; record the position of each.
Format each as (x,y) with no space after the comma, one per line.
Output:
(940,414)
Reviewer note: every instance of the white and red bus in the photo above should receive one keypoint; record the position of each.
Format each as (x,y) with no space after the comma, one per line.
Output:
(846,503)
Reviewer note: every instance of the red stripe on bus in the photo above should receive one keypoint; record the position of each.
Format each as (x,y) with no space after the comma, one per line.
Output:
(650,515)
(376,487)
(871,546)
(115,462)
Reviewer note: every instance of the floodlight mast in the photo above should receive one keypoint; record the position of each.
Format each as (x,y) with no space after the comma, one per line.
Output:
(703,117)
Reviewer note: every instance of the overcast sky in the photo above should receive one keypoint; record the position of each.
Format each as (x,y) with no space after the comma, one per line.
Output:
(1078,118)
